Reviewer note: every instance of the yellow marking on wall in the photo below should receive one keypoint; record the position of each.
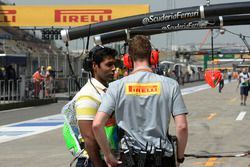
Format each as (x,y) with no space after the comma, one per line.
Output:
(211,116)
(209,162)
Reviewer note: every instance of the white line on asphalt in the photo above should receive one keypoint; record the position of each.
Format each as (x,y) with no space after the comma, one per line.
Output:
(17,130)
(32,120)
(15,109)
(241,116)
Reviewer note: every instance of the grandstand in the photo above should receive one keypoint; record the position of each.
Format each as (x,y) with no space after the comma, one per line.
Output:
(15,41)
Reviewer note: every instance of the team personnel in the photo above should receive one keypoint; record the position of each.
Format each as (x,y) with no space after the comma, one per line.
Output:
(244,78)
(143,103)
(221,84)
(48,82)
(37,79)
(101,64)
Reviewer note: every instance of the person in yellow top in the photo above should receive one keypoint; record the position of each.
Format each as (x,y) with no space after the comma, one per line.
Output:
(48,82)
(101,64)
(117,73)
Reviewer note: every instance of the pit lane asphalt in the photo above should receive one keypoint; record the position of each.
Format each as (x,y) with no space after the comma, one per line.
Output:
(212,129)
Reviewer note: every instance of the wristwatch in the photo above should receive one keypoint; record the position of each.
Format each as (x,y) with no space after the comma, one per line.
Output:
(180,160)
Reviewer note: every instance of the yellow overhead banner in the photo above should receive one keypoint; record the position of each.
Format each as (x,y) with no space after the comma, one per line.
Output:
(65,15)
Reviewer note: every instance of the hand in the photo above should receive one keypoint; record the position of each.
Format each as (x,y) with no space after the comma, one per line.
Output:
(111,161)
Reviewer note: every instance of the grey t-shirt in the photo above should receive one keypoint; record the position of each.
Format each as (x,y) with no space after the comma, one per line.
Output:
(143,103)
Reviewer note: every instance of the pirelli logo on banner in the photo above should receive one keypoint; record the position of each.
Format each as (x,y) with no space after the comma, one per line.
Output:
(7,16)
(83,15)
(64,15)
(143,89)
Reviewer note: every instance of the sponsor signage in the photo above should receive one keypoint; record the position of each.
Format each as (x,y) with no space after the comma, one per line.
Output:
(87,15)
(170,17)
(7,16)
(140,89)
(189,25)
(222,56)
(242,56)
(65,15)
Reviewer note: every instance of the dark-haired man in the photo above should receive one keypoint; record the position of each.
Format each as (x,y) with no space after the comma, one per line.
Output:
(143,103)
(101,64)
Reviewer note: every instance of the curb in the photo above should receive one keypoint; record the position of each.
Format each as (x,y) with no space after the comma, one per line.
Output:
(28,103)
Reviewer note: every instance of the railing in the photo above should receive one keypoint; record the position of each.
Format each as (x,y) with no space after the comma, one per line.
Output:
(10,91)
(72,87)
(13,91)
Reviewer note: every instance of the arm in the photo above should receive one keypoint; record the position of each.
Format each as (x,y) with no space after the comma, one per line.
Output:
(98,129)
(181,134)
(244,80)
(90,142)
(86,108)
(179,114)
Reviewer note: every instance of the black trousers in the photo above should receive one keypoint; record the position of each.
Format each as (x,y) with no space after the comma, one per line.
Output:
(221,85)
(83,162)
(150,161)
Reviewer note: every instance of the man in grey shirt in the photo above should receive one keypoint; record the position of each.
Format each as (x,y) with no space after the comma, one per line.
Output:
(143,103)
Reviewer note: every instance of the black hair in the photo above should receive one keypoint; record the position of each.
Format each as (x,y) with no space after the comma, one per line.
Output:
(97,55)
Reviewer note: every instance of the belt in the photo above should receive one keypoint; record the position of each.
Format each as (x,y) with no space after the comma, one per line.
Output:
(151,152)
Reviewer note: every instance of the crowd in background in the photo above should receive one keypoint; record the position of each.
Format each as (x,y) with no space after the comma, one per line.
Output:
(8,73)
(8,79)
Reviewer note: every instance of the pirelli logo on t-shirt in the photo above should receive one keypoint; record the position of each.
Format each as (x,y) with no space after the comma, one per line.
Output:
(143,89)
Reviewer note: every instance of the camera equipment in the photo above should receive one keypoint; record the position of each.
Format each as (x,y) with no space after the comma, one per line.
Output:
(158,155)
(142,157)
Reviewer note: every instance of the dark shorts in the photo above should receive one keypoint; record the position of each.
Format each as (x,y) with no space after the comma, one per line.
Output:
(244,90)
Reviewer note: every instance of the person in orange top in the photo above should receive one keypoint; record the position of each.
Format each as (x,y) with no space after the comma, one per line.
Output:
(37,79)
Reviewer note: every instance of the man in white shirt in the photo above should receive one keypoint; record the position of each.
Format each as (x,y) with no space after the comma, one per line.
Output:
(244,86)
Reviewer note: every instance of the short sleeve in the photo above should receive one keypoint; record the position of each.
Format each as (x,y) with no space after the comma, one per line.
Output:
(86,107)
(179,106)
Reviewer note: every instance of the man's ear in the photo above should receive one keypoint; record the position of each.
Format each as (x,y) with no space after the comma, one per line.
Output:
(94,66)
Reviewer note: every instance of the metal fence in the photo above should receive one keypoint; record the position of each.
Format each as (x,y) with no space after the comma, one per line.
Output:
(10,91)
(13,91)
(72,87)
(41,90)
(23,89)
